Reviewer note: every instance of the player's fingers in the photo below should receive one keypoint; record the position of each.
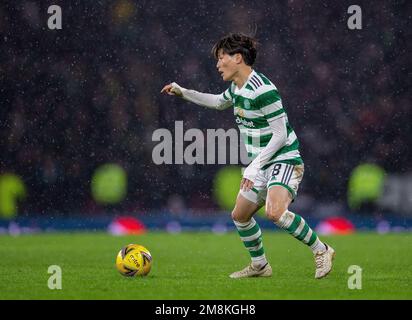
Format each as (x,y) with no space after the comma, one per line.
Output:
(248,185)
(166,88)
(242,182)
(245,185)
(170,91)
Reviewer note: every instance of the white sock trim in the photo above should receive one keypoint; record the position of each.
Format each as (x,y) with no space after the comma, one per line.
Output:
(318,246)
(243,226)
(285,219)
(260,261)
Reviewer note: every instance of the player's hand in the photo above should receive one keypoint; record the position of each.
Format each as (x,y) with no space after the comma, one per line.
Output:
(246,184)
(172,89)
(249,176)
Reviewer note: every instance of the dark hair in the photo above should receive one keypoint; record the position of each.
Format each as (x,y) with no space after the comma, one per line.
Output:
(237,43)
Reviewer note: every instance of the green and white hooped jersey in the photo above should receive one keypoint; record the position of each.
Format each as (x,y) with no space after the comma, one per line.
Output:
(256,104)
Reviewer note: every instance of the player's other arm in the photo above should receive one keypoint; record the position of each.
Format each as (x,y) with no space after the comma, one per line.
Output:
(213,101)
(278,140)
(271,106)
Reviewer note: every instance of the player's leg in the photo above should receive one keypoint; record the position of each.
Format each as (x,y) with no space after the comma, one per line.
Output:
(280,195)
(251,236)
(277,203)
(249,230)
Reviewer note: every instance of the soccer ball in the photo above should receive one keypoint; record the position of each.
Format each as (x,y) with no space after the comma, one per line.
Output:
(134,260)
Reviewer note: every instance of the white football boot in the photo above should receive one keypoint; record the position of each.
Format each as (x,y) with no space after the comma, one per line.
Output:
(250,271)
(323,261)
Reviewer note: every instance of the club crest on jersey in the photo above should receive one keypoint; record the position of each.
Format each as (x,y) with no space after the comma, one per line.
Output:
(246,104)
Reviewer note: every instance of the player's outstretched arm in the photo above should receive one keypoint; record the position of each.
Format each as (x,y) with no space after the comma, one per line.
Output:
(214,101)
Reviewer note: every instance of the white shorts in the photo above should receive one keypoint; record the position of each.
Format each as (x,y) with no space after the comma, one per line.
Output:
(286,175)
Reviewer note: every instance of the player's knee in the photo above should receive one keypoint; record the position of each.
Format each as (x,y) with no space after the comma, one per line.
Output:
(234,215)
(238,217)
(274,211)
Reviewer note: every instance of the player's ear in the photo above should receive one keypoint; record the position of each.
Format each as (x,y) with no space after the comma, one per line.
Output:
(238,58)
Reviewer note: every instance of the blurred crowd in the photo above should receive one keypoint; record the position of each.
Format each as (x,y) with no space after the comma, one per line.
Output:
(89,94)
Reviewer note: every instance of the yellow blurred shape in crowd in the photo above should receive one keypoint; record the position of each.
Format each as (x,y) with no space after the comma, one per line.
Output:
(365,184)
(109,184)
(226,186)
(12,189)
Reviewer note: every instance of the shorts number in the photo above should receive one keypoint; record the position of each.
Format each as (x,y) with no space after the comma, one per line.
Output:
(276,169)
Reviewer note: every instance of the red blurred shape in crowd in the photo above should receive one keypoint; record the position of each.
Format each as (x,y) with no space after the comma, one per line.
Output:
(335,225)
(126,225)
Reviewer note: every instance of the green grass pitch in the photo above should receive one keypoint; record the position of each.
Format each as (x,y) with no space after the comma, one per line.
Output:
(196,266)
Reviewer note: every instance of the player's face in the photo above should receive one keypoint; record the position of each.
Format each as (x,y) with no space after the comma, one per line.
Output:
(226,66)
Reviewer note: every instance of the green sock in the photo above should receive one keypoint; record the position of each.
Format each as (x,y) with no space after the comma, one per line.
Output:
(297,227)
(251,236)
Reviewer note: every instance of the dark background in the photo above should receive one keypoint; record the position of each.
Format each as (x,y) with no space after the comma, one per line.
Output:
(89,94)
